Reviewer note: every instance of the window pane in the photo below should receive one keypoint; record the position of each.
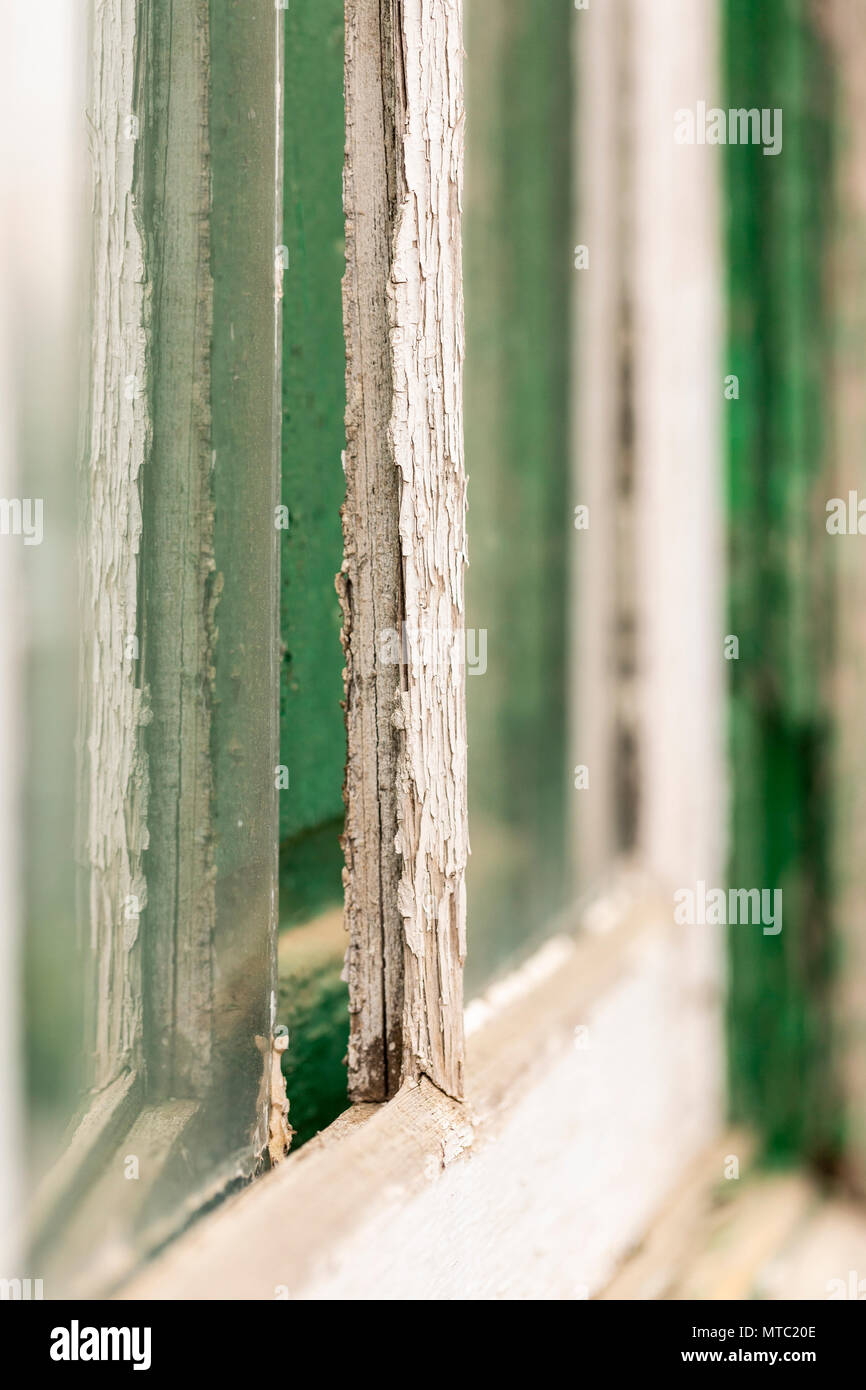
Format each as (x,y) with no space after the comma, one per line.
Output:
(313,999)
(518,263)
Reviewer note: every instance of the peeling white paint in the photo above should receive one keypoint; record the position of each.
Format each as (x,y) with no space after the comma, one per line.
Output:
(425,297)
(114,710)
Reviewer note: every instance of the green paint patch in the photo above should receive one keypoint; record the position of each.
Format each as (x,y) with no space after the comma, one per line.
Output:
(777,234)
(314,1004)
(312,736)
(311,868)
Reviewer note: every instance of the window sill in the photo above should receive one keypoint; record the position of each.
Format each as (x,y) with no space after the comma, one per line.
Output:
(590,1092)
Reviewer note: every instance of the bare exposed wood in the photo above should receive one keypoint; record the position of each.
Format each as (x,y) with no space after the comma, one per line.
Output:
(369,583)
(401,585)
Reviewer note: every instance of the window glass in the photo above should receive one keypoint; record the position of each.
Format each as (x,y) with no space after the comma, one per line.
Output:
(518,263)
(313,1000)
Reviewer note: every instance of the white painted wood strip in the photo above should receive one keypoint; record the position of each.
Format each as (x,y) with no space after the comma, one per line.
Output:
(595,424)
(426,315)
(113,710)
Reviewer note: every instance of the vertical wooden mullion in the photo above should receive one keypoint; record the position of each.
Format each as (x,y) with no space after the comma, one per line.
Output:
(401,584)
(596,414)
(178,623)
(370,584)
(179,722)
(113,704)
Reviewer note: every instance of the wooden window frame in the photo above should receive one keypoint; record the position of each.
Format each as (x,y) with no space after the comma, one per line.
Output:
(423,1149)
(179,852)
(406,838)
(178,725)
(595,1071)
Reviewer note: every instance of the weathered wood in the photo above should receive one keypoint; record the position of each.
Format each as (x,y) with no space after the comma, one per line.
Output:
(369,581)
(178,627)
(578,1085)
(180,720)
(114,705)
(401,585)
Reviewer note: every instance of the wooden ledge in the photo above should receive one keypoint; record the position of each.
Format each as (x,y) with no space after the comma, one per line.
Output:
(422,1166)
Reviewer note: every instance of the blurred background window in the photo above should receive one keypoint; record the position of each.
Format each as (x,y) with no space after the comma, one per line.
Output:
(518,267)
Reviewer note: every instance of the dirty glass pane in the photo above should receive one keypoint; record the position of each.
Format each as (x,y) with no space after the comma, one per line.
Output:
(138,376)
(517,263)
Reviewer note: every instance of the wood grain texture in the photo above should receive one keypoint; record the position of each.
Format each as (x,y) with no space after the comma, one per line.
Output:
(114,707)
(586,1105)
(180,719)
(426,317)
(401,584)
(369,581)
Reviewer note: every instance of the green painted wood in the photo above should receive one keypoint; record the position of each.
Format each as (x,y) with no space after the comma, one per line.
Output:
(518,260)
(312,733)
(779,1012)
